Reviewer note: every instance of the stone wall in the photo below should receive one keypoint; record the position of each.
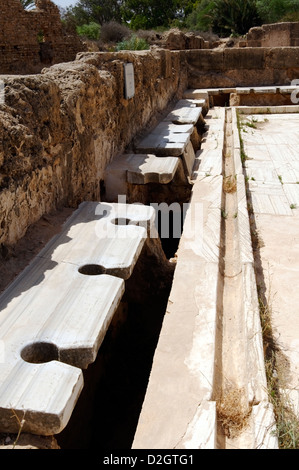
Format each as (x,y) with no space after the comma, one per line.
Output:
(242,67)
(61,128)
(31,40)
(274,35)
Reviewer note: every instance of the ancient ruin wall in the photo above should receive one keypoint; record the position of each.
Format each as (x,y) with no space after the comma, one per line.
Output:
(242,67)
(31,40)
(274,35)
(61,128)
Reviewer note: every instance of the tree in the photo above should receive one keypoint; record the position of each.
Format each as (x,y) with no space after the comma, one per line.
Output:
(96,11)
(147,14)
(224,17)
(272,11)
(234,17)
(201,16)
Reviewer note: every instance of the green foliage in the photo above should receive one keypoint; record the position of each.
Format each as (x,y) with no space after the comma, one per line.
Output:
(147,14)
(223,17)
(89,31)
(133,44)
(272,11)
(201,17)
(234,17)
(93,11)
(139,14)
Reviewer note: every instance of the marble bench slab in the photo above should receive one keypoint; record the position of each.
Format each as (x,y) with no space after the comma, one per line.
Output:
(162,145)
(196,94)
(137,169)
(105,234)
(168,128)
(153,170)
(175,145)
(200,97)
(185,113)
(54,316)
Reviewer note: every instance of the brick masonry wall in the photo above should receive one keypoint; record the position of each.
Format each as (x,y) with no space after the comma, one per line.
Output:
(31,40)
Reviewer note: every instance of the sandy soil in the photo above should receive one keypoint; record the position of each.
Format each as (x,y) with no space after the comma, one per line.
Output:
(13,259)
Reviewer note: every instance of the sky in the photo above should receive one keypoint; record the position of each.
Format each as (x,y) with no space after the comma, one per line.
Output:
(64,3)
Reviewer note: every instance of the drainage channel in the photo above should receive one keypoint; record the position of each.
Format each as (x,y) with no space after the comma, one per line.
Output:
(107,412)
(243,411)
(232,397)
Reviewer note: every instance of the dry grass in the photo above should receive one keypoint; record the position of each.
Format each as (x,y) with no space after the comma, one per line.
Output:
(230,184)
(277,370)
(233,413)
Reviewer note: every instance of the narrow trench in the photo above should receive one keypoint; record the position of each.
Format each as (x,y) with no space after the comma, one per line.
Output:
(107,412)
(231,375)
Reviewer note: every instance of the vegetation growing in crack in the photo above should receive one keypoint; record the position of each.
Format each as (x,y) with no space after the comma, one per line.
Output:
(233,414)
(287,423)
(243,155)
(230,184)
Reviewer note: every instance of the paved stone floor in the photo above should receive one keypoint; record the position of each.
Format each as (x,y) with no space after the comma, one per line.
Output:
(271,143)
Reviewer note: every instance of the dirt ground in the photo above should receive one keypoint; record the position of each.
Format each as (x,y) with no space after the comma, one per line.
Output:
(13,259)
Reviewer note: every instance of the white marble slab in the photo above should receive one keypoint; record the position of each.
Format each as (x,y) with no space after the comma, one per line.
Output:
(54,316)
(152,169)
(184,113)
(164,145)
(137,169)
(105,234)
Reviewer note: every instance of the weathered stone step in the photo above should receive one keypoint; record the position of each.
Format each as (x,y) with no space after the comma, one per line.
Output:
(54,316)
